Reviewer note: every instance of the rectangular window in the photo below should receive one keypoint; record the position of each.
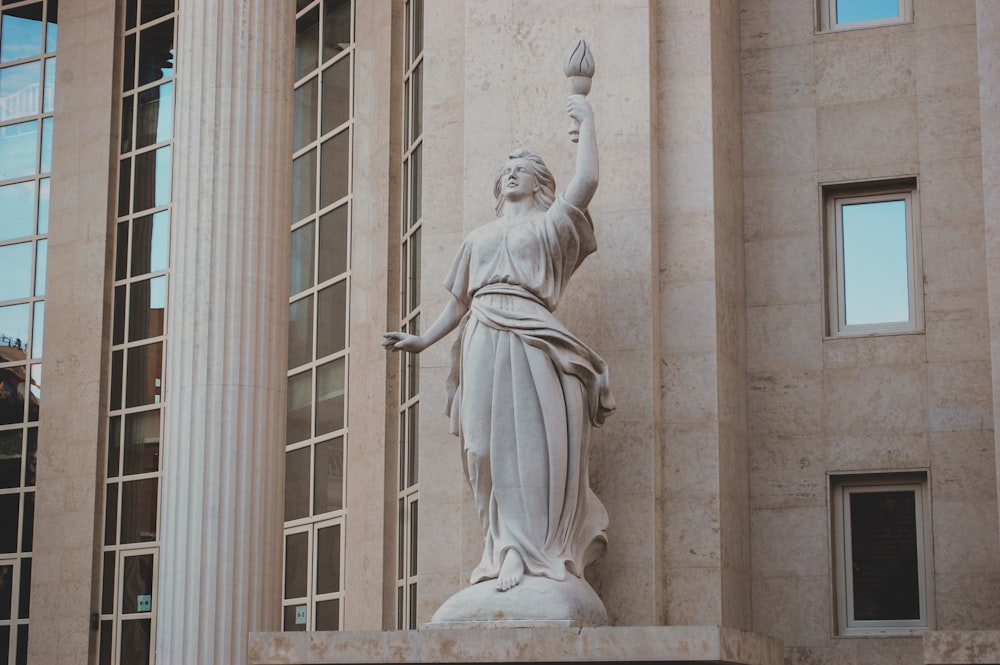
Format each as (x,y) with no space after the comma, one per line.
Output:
(873,267)
(852,14)
(881,540)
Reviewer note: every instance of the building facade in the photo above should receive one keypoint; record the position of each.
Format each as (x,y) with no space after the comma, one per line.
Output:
(212,209)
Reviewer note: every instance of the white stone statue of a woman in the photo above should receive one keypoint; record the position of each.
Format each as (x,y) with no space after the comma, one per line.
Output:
(524,392)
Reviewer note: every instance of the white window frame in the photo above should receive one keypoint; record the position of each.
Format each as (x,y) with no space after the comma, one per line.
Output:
(835,197)
(842,488)
(828,14)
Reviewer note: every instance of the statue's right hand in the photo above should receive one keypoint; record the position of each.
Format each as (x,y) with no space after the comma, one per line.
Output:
(401,341)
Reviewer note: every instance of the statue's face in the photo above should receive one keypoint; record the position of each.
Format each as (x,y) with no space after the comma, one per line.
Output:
(517,180)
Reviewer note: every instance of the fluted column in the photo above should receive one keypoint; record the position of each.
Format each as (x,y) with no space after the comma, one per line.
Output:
(221,507)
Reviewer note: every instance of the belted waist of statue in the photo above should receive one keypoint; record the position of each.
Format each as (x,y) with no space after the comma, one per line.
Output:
(505,289)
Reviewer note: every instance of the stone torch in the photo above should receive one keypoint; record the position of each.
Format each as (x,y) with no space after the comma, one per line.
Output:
(579,70)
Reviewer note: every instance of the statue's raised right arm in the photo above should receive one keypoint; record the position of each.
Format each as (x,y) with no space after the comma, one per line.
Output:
(584,182)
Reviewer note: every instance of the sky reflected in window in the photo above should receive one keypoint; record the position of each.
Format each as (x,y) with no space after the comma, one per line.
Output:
(855,11)
(875,266)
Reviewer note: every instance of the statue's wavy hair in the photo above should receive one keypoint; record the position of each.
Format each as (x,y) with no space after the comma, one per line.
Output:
(546,193)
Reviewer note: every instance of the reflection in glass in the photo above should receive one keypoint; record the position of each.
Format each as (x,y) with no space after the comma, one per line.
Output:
(6,595)
(45,165)
(10,458)
(20,90)
(336,160)
(155,120)
(128,66)
(28,524)
(336,27)
(135,635)
(137,580)
(297,483)
(43,206)
(9,512)
(41,261)
(131,13)
(17,202)
(876,285)
(306,42)
(328,476)
(852,11)
(331,314)
(142,443)
(111,514)
(31,459)
(330,396)
(18,273)
(38,329)
(152,179)
(21,33)
(336,94)
(333,243)
(150,242)
(328,615)
(305,113)
(143,382)
(51,27)
(147,303)
(413,276)
(127,117)
(418,105)
(104,658)
(138,511)
(290,618)
(154,9)
(156,52)
(49,89)
(296,559)
(117,362)
(303,185)
(300,331)
(303,254)
(413,450)
(114,445)
(124,182)
(118,327)
(415,184)
(299,407)
(108,584)
(328,559)
(18,150)
(885,571)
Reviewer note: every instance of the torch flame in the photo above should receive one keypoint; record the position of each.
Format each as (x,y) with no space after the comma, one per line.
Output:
(580,61)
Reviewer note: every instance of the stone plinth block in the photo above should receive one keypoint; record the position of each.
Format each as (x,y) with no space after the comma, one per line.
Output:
(571,602)
(947,647)
(692,644)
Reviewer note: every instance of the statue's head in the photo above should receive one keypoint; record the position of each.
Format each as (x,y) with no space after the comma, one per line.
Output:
(545,185)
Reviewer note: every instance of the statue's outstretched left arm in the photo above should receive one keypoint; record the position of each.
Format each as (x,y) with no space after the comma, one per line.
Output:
(584,182)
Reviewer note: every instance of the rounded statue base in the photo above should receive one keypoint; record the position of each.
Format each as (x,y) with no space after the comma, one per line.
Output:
(536,600)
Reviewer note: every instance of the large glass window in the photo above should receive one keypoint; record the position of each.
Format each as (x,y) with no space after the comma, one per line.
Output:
(880,549)
(28,35)
(132,466)
(318,341)
(873,260)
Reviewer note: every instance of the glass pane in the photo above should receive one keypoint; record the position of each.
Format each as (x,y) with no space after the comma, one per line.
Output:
(296,564)
(150,242)
(333,243)
(154,9)
(303,185)
(336,27)
(413,605)
(300,331)
(155,119)
(121,251)
(331,315)
(328,615)
(41,264)
(17,202)
(111,514)
(413,447)
(299,407)
(336,94)
(303,257)
(297,483)
(413,278)
(135,636)
(139,511)
(6,593)
(18,274)
(147,303)
(418,26)
(413,537)
(328,559)
(114,445)
(137,581)
(156,52)
(418,108)
(306,100)
(336,165)
(38,329)
(49,89)
(328,480)
(118,330)
(416,208)
(21,32)
(152,179)
(294,618)
(31,460)
(884,556)
(34,391)
(9,513)
(45,165)
(43,206)
(330,397)
(24,595)
(19,150)
(20,90)
(143,382)
(10,457)
(413,361)
(28,522)
(124,185)
(131,13)
(406,115)
(52,27)
(108,584)
(852,11)
(127,118)
(876,285)
(128,65)
(306,42)
(142,442)
(106,643)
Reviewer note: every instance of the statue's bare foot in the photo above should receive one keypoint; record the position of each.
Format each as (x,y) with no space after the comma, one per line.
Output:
(511,572)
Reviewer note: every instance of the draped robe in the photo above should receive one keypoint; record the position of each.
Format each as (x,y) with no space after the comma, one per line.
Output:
(524,393)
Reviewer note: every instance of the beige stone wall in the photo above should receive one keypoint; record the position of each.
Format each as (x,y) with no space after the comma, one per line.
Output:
(860,104)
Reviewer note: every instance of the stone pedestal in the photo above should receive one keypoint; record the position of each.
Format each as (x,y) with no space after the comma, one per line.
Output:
(220,561)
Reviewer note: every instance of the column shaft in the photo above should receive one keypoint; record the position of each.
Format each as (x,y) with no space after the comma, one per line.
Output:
(221,509)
